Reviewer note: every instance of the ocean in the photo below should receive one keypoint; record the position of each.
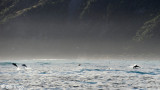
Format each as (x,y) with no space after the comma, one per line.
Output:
(80,75)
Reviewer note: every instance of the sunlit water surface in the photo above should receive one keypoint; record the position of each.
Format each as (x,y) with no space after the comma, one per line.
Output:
(68,75)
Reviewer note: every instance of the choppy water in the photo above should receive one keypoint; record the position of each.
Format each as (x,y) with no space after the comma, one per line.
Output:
(93,75)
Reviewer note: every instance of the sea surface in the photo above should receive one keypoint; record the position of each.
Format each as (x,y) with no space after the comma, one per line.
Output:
(80,75)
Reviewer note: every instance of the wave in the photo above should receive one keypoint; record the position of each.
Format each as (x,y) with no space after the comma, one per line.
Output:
(5,63)
(140,72)
(43,63)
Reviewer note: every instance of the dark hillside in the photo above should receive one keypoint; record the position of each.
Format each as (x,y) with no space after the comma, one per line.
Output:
(128,26)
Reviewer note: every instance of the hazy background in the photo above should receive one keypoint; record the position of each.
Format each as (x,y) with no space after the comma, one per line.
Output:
(79,29)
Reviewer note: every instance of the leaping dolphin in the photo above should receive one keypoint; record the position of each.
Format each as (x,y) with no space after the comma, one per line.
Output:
(14,64)
(24,65)
(136,67)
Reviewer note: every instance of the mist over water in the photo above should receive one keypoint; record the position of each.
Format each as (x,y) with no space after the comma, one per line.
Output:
(42,33)
(32,39)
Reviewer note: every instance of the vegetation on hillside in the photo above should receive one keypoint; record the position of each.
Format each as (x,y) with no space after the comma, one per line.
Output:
(149,30)
(137,18)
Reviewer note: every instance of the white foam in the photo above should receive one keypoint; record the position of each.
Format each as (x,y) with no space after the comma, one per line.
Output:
(18,68)
(68,75)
